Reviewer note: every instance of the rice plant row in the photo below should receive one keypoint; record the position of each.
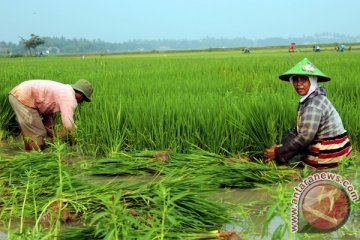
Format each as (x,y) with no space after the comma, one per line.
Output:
(223,102)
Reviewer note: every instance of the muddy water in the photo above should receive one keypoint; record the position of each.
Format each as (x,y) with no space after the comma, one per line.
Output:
(255,202)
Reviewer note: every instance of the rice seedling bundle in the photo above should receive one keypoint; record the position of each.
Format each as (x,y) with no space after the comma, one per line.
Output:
(222,171)
(34,184)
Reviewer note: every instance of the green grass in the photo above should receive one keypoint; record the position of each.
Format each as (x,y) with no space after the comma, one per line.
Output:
(222,102)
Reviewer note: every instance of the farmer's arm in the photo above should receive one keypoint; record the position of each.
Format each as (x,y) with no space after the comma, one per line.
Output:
(67,110)
(296,141)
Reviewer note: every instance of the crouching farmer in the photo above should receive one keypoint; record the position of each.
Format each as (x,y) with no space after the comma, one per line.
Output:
(319,135)
(35,102)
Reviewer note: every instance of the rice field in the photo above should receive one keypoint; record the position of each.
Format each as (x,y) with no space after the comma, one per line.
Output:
(185,126)
(176,101)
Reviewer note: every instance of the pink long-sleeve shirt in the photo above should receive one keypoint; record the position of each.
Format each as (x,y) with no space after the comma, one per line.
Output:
(48,97)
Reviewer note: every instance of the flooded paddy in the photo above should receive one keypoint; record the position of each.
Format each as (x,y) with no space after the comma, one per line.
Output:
(205,111)
(247,208)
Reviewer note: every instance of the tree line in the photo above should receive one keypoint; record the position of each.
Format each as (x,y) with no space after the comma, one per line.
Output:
(36,45)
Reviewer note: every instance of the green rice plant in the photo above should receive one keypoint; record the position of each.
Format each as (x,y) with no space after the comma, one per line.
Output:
(219,102)
(37,176)
(225,103)
(183,209)
(123,164)
(281,196)
(245,175)
(111,125)
(80,233)
(229,171)
(114,222)
(233,171)
(185,206)
(24,202)
(9,233)
(12,202)
(259,127)
(44,168)
(171,207)
(8,124)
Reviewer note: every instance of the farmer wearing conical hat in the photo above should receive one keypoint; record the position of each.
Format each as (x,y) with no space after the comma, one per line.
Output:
(319,132)
(35,102)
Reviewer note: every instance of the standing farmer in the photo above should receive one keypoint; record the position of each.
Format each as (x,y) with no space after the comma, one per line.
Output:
(35,102)
(319,134)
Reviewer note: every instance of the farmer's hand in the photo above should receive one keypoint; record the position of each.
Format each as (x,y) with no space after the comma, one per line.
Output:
(269,153)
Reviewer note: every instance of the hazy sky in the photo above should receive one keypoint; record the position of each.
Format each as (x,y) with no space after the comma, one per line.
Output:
(123,20)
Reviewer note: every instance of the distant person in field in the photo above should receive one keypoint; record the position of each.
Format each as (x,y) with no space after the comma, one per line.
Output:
(319,136)
(35,102)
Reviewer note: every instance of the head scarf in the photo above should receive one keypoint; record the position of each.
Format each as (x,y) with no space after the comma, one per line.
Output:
(313,86)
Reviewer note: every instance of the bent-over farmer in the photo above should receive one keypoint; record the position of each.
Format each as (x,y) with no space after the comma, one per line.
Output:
(35,102)
(319,135)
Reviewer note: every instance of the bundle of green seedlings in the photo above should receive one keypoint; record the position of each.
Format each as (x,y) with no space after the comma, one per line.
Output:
(171,207)
(125,164)
(41,192)
(30,181)
(42,166)
(237,171)
(34,190)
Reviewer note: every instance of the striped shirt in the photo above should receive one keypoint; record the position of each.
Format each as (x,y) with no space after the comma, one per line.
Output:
(48,97)
(317,122)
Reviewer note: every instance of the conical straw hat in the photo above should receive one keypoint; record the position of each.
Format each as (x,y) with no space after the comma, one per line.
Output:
(305,67)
